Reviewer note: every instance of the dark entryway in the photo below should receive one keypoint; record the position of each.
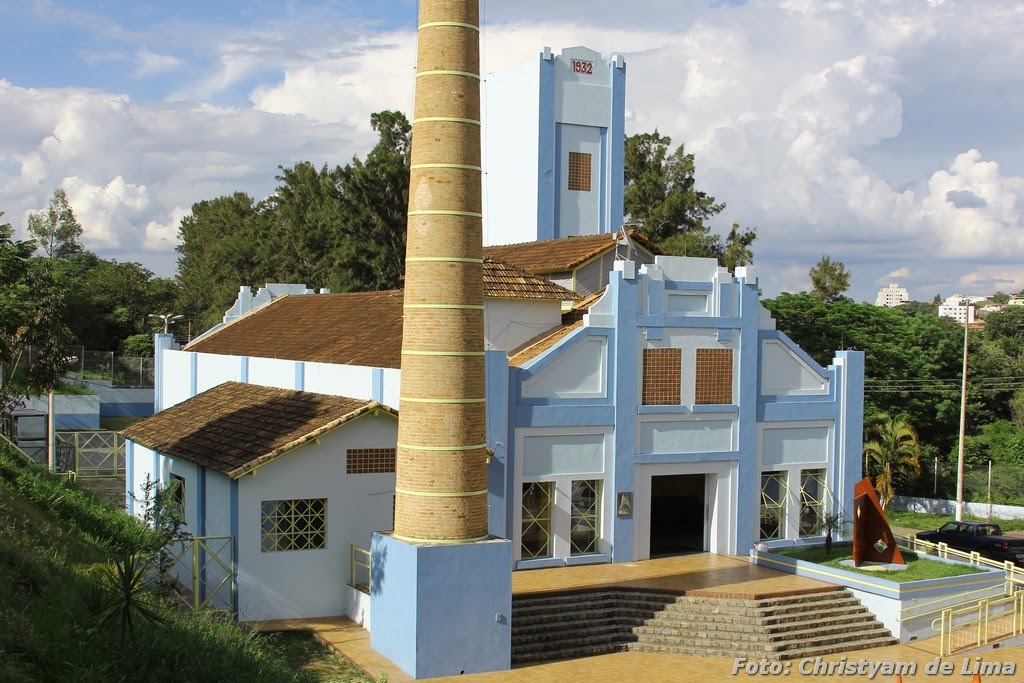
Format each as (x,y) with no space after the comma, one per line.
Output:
(677,514)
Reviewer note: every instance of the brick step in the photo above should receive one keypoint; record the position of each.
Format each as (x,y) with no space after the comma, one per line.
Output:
(541,635)
(836,648)
(539,607)
(567,653)
(571,598)
(576,616)
(728,650)
(790,610)
(870,632)
(704,639)
(567,643)
(821,613)
(853,622)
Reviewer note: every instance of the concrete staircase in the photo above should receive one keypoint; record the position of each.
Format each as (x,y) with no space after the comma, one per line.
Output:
(564,626)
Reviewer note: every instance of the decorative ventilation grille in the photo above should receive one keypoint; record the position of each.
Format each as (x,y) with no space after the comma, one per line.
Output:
(713,376)
(299,524)
(579,172)
(370,460)
(662,377)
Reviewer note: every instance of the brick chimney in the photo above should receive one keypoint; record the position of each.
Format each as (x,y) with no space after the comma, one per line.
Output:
(441,480)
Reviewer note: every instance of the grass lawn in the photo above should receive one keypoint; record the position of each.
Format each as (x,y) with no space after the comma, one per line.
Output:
(57,542)
(927,522)
(917,567)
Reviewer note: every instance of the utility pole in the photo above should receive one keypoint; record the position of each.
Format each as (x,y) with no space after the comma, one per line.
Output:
(963,423)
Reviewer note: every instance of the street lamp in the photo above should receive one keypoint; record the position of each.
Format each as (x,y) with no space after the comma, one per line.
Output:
(963,422)
(168,318)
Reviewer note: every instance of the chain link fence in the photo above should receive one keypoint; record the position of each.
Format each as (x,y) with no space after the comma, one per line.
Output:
(122,372)
(1002,484)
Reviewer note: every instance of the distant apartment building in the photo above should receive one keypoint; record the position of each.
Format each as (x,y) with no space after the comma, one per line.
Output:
(893,295)
(960,308)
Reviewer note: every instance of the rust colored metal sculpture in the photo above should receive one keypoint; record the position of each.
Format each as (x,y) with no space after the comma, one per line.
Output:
(872,538)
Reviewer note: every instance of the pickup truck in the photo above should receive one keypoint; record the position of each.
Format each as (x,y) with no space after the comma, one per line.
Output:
(986,539)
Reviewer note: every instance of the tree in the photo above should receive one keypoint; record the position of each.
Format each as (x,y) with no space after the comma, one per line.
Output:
(31,314)
(829,279)
(661,193)
(56,230)
(891,454)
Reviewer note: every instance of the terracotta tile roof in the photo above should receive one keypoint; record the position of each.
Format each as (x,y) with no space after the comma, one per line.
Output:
(565,253)
(505,281)
(361,328)
(539,345)
(234,428)
(358,328)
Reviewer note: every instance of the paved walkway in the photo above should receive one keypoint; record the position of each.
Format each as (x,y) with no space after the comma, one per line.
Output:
(704,574)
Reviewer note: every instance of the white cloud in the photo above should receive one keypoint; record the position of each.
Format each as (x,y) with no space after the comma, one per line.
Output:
(883,134)
(989,279)
(894,275)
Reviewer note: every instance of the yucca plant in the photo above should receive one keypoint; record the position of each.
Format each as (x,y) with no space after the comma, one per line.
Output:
(128,581)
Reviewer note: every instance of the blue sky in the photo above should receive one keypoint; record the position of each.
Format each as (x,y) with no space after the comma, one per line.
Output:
(884,133)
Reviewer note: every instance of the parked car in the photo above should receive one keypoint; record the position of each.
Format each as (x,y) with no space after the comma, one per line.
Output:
(986,539)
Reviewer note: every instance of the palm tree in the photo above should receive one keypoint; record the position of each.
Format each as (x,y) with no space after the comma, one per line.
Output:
(894,449)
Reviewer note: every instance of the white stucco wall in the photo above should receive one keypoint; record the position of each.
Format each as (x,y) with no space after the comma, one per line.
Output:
(354,381)
(141,465)
(510,323)
(308,583)
(213,369)
(273,372)
(579,372)
(785,374)
(176,377)
(510,148)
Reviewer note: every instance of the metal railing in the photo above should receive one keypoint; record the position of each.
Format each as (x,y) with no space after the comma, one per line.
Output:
(975,626)
(359,560)
(975,619)
(94,453)
(203,578)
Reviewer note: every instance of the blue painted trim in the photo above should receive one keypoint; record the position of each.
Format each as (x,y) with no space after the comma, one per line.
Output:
(625,296)
(657,458)
(201,528)
(579,560)
(193,374)
(557,184)
(723,335)
(244,370)
(704,321)
(539,563)
(715,408)
(497,383)
(662,410)
(129,476)
(604,185)
(546,151)
(570,415)
(686,285)
(300,375)
(377,393)
(654,333)
(233,507)
(617,146)
(118,409)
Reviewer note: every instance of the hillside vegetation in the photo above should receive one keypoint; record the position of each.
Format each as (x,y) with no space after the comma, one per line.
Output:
(58,553)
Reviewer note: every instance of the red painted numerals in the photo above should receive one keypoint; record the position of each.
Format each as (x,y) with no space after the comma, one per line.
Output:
(581,67)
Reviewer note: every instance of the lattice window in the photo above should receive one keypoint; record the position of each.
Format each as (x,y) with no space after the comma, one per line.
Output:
(812,501)
(299,524)
(662,377)
(370,460)
(773,505)
(713,376)
(176,496)
(579,172)
(585,522)
(537,506)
